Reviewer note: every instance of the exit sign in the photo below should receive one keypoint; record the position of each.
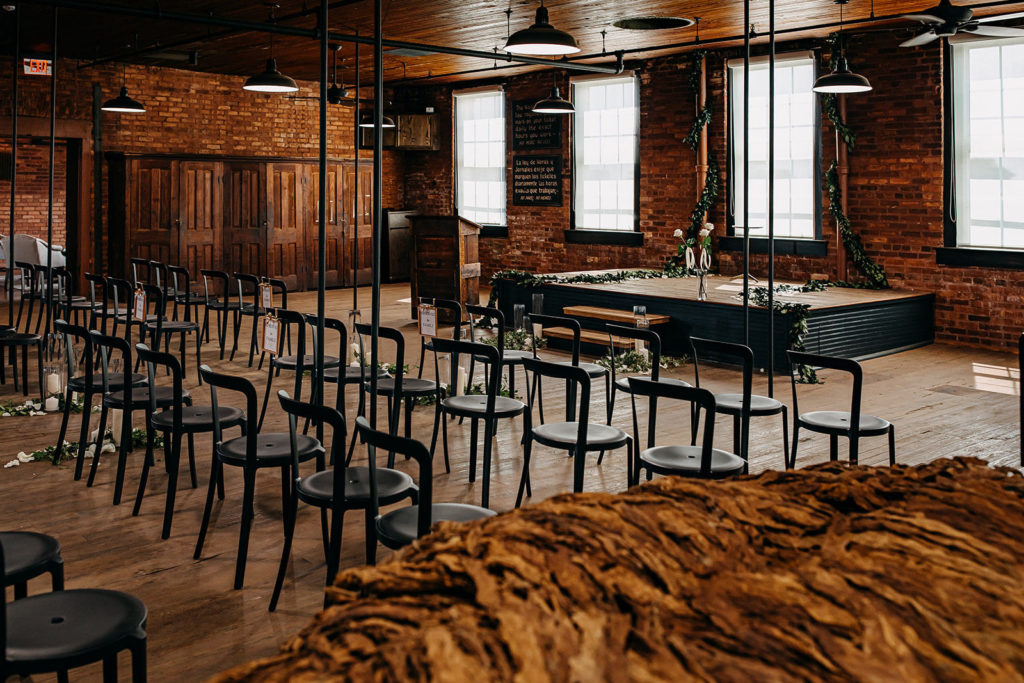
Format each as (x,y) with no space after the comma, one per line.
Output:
(38,67)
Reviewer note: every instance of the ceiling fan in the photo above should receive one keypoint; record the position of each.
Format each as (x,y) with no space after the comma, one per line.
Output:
(946,19)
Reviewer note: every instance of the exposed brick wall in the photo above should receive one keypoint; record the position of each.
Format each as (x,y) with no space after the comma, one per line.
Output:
(32,196)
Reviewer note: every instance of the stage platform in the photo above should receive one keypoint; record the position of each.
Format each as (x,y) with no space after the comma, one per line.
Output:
(853,323)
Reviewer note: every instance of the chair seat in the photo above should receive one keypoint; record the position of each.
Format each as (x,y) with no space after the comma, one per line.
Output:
(65,626)
(199,418)
(622,383)
(20,339)
(123,317)
(217,304)
(173,326)
(411,386)
(352,374)
(116,381)
(272,448)
(392,486)
(26,554)
(685,460)
(732,404)
(508,356)
(592,369)
(140,397)
(564,434)
(292,362)
(838,421)
(86,305)
(398,528)
(476,404)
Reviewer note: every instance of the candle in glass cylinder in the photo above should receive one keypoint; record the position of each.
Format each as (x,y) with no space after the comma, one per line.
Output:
(116,424)
(460,381)
(53,383)
(51,405)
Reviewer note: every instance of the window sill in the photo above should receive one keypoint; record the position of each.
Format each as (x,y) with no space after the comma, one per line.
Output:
(783,246)
(985,258)
(622,238)
(494,231)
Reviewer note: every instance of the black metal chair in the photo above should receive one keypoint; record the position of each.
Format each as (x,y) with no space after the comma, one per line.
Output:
(577,436)
(851,424)
(745,405)
(163,329)
(99,298)
(454,309)
(399,528)
(10,342)
(123,299)
(342,374)
(488,407)
(248,287)
(339,489)
(30,555)
(88,384)
(217,298)
(251,452)
(141,274)
(54,632)
(704,461)
(175,421)
(127,401)
(180,293)
(510,358)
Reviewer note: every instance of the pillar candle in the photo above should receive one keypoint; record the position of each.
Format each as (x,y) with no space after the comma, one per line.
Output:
(53,383)
(51,404)
(460,381)
(116,422)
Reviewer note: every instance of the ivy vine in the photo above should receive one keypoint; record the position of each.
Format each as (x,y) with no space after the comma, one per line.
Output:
(798,314)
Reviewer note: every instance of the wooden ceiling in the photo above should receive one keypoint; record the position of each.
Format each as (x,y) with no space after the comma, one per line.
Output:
(474,24)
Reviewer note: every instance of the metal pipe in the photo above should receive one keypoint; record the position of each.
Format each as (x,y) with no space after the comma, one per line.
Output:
(771,198)
(355,212)
(49,203)
(378,179)
(97,177)
(746,173)
(321,281)
(15,65)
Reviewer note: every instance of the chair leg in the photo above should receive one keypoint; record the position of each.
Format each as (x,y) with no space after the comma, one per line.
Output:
(785,436)
(527,448)
(833,447)
(59,450)
(370,525)
(83,435)
(489,429)
(139,661)
(291,510)
(172,483)
(892,445)
(192,460)
(580,460)
(252,339)
(796,442)
(266,397)
(854,448)
(122,454)
(248,512)
(99,446)
(474,432)
(147,462)
(215,472)
(444,444)
(110,669)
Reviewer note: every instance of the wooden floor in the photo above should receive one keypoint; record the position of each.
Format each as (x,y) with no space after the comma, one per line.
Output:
(944,401)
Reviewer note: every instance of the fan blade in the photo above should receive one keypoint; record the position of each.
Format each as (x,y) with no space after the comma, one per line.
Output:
(923,18)
(1000,17)
(998,31)
(921,39)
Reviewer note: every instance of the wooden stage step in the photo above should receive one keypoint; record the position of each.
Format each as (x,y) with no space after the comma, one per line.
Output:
(614,315)
(588,337)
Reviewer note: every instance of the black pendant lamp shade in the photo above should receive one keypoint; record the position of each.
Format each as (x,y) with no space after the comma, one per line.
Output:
(541,39)
(842,80)
(123,104)
(366,121)
(271,80)
(554,104)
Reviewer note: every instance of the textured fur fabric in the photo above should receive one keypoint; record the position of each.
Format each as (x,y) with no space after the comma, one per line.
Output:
(827,573)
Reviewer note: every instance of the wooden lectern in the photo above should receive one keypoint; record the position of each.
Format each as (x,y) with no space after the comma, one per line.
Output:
(446,259)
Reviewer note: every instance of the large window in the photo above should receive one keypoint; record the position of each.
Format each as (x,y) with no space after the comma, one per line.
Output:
(796,147)
(480,156)
(988,145)
(605,153)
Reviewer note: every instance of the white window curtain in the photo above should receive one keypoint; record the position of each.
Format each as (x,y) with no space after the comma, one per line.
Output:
(605,152)
(794,145)
(480,156)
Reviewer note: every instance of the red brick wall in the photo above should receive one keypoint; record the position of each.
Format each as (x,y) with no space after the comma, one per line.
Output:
(32,198)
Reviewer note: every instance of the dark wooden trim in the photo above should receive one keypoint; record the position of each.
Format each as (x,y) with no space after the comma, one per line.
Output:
(622,238)
(948,159)
(114,154)
(783,246)
(984,258)
(494,231)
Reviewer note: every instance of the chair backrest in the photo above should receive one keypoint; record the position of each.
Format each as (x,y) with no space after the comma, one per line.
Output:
(155,297)
(73,333)
(329,324)
(704,399)
(411,448)
(281,287)
(181,285)
(248,285)
(120,292)
(389,333)
(569,373)
(455,347)
(152,359)
(220,278)
(453,307)
(720,349)
(321,415)
(293,320)
(26,249)
(799,358)
(647,335)
(97,289)
(109,346)
(487,312)
(218,380)
(556,321)
(140,270)
(158,274)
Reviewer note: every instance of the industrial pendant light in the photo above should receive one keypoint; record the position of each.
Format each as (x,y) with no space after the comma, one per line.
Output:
(841,80)
(366,121)
(122,103)
(554,104)
(541,38)
(271,80)
(336,93)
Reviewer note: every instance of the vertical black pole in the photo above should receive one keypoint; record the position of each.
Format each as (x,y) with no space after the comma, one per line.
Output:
(49,205)
(378,180)
(356,194)
(318,361)
(771,198)
(746,172)
(15,66)
(97,178)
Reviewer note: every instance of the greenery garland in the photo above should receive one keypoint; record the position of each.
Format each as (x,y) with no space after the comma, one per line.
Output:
(798,314)
(851,240)
(704,116)
(522,278)
(138,440)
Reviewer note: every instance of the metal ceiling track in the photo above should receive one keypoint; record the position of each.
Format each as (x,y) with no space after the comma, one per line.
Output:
(150,12)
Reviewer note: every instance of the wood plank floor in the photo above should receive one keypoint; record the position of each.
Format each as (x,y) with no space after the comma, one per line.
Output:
(944,401)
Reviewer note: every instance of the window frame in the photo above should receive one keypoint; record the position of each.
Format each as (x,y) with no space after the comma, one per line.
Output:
(613,236)
(814,245)
(488,229)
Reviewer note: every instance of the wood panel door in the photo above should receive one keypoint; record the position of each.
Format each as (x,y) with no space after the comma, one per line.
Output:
(152,210)
(357,196)
(245,218)
(287,185)
(336,219)
(201,216)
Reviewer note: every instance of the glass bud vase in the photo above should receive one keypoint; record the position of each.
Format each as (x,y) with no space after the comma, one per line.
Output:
(702,285)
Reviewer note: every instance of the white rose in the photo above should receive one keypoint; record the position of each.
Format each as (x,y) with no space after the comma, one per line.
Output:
(709,226)
(678,233)
(704,233)
(25,457)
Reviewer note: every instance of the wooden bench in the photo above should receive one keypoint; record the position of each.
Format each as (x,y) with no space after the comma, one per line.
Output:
(588,337)
(613,315)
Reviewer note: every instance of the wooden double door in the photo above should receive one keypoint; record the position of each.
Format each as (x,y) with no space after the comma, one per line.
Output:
(252,216)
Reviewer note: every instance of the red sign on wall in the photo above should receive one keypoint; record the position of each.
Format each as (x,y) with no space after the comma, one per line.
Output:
(38,67)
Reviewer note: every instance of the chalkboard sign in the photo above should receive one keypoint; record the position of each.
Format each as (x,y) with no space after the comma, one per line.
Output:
(537,180)
(534,131)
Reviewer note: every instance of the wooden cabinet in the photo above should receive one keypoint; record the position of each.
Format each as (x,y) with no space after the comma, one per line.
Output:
(239,215)
(417,132)
(446,259)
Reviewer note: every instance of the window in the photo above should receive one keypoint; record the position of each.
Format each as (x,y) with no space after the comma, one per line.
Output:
(480,156)
(988,146)
(796,147)
(605,153)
